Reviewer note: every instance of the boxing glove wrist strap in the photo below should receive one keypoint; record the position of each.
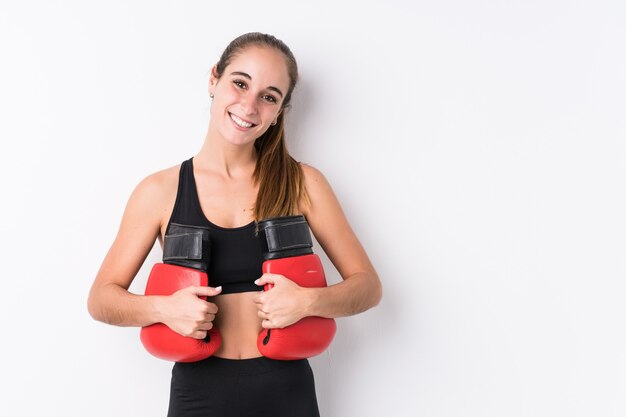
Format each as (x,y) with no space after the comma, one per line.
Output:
(283,237)
(187,246)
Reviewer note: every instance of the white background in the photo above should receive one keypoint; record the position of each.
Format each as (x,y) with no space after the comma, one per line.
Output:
(478,149)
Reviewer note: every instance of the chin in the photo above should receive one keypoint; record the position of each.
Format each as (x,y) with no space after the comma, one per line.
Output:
(239,140)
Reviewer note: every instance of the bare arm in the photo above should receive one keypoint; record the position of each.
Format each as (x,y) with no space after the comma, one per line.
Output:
(361,288)
(109,299)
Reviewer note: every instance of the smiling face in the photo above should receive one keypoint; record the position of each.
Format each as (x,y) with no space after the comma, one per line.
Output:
(248,97)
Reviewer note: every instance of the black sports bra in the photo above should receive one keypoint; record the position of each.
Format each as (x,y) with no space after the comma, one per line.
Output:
(234,254)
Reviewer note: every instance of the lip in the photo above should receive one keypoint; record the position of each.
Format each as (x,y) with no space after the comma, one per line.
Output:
(241,127)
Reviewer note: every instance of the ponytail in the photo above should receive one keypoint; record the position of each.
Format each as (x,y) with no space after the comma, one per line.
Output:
(280,177)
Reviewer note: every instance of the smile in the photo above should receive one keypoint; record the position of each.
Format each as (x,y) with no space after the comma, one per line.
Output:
(240,122)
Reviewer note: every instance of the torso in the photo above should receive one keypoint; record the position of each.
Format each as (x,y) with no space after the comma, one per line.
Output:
(227,205)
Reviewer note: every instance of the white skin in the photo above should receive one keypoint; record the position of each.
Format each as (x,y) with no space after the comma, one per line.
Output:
(250,90)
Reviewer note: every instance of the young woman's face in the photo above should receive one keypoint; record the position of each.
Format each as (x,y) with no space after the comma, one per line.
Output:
(248,97)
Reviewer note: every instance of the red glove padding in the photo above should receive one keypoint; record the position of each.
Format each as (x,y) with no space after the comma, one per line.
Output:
(309,336)
(160,340)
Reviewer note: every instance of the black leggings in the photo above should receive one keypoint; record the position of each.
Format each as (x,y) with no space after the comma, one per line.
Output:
(256,387)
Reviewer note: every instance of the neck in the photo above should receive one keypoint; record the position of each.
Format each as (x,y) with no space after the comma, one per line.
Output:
(225,158)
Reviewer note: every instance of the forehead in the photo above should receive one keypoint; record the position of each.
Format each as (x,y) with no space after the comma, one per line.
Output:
(266,66)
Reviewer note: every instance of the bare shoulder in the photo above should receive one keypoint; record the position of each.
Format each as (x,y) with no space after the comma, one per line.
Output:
(159,184)
(311,173)
(322,206)
(317,187)
(153,198)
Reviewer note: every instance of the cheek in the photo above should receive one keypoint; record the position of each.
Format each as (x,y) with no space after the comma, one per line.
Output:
(222,100)
(226,92)
(230,89)
(272,112)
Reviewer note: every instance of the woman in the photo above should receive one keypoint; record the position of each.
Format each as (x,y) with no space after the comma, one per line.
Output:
(242,174)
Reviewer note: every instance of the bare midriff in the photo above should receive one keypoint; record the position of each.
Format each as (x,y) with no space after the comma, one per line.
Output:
(239,325)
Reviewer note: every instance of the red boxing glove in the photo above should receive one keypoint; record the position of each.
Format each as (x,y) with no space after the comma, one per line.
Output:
(185,252)
(287,249)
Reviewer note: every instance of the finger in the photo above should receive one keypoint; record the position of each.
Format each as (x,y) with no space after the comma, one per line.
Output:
(258,299)
(199,334)
(206,291)
(266,279)
(211,308)
(205,326)
(269,324)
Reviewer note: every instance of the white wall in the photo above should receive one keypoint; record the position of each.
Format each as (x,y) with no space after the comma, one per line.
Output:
(477,147)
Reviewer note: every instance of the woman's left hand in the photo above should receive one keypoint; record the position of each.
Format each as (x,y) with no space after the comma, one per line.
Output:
(284,304)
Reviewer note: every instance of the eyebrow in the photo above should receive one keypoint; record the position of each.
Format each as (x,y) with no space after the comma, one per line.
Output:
(243,74)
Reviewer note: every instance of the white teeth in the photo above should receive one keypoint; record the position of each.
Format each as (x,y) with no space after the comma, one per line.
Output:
(240,122)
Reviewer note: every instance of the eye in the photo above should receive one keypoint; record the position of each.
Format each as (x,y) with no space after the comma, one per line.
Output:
(269,98)
(240,83)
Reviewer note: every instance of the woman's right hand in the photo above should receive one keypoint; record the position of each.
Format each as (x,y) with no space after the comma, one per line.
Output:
(189,315)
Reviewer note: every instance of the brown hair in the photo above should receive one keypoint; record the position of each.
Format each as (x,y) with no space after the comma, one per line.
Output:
(280,177)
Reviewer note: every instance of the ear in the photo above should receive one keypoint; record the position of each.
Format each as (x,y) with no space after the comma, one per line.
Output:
(276,118)
(213,79)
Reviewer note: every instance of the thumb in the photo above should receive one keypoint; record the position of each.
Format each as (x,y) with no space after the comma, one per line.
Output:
(266,279)
(206,291)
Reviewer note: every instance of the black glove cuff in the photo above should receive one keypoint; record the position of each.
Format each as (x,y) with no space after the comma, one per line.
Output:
(187,246)
(282,237)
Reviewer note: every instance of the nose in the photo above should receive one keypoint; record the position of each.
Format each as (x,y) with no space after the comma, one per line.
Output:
(248,104)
